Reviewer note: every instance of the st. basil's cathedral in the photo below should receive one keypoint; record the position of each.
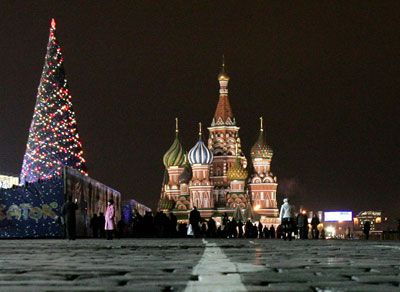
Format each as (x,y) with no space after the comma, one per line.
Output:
(217,178)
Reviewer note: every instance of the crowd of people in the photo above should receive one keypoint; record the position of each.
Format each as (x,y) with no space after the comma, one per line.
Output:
(162,225)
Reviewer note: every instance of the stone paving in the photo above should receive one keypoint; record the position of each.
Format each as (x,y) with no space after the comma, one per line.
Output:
(199,265)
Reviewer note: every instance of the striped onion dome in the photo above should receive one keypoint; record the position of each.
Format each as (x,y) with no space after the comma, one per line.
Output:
(237,171)
(200,154)
(175,156)
(260,149)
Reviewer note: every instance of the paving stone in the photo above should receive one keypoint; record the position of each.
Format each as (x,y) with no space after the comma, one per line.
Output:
(167,265)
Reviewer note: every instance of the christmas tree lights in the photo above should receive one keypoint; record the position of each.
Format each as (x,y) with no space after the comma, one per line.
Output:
(53,140)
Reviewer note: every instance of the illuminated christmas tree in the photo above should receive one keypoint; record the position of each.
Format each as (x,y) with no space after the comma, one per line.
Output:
(53,140)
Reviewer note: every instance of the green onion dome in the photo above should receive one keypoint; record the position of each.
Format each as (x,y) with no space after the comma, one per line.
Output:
(166,204)
(175,156)
(237,171)
(186,174)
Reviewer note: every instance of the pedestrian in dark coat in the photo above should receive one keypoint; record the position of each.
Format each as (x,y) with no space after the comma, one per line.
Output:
(260,230)
(272,232)
(314,227)
(194,220)
(240,227)
(102,222)
(68,211)
(211,228)
(367,228)
(94,225)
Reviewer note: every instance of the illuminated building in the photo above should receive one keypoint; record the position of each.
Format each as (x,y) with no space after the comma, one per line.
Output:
(216,178)
(374,217)
(8,181)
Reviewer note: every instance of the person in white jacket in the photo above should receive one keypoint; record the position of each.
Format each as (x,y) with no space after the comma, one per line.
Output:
(287,217)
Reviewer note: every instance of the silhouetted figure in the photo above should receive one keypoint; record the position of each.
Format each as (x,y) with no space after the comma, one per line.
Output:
(224,225)
(158,224)
(211,228)
(182,228)
(204,229)
(68,211)
(194,220)
(137,225)
(279,231)
(367,228)
(272,232)
(302,225)
(233,228)
(260,230)
(247,228)
(173,221)
(148,224)
(121,229)
(254,231)
(314,227)
(240,227)
(94,225)
(266,232)
(102,223)
(287,219)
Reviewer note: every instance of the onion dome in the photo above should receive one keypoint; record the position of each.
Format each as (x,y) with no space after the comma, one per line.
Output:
(186,175)
(223,76)
(200,154)
(260,149)
(166,204)
(237,171)
(175,156)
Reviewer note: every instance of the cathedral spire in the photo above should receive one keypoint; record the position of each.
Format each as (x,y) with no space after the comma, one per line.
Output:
(200,131)
(176,126)
(223,114)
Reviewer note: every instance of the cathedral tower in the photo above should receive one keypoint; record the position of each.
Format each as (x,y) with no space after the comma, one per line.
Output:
(200,187)
(263,184)
(223,140)
(174,161)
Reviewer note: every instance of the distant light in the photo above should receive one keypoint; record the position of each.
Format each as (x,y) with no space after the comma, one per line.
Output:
(257,207)
(331,230)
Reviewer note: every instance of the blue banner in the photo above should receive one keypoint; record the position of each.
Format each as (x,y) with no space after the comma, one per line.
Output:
(32,210)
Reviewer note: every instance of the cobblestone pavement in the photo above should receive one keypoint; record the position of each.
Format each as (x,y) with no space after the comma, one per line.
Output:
(199,265)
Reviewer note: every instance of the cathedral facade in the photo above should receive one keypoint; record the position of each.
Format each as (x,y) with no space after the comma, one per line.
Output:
(215,176)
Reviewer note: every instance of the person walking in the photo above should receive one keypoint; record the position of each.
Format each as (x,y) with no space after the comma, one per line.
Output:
(194,220)
(109,216)
(287,219)
(260,230)
(314,226)
(68,211)
(367,228)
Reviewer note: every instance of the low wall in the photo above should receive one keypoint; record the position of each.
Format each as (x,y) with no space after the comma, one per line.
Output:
(31,211)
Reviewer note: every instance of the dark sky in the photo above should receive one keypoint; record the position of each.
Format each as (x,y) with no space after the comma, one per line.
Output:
(326,78)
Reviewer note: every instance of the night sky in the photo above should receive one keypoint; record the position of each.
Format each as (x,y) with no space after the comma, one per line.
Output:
(326,78)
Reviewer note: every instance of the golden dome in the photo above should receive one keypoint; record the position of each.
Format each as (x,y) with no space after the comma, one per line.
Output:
(223,76)
(237,171)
